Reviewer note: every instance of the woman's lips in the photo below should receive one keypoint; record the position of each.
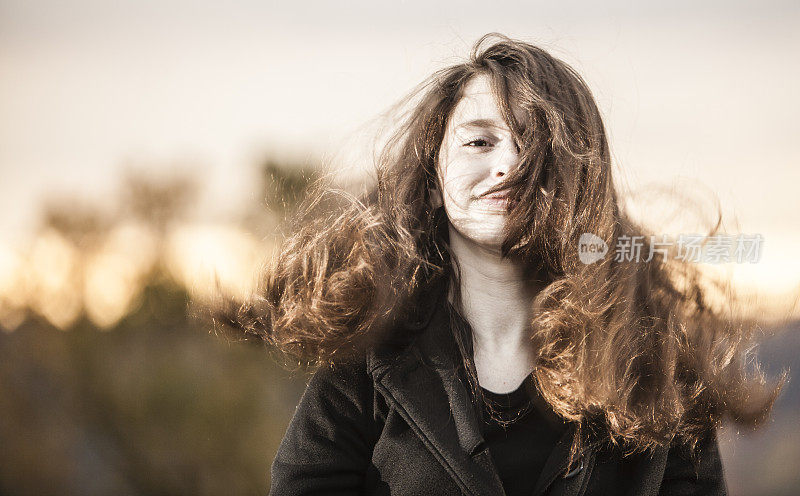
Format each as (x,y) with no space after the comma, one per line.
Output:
(497,194)
(497,199)
(500,202)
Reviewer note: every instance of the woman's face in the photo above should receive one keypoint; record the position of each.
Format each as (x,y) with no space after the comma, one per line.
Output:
(477,151)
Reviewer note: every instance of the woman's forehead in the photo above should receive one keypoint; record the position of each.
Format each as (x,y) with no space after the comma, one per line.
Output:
(478,106)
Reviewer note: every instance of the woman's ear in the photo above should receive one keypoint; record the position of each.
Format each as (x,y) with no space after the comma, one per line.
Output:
(436,197)
(435,189)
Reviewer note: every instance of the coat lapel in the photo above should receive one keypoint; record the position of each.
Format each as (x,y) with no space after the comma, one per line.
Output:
(425,387)
(557,470)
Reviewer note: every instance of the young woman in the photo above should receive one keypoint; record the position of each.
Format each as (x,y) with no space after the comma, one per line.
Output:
(463,344)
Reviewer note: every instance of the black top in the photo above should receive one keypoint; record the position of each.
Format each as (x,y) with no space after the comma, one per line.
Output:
(523,438)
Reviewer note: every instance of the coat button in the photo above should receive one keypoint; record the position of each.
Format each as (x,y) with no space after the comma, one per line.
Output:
(574,471)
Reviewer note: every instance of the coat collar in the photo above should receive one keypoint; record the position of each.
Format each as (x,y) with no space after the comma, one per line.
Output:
(423,381)
(426,389)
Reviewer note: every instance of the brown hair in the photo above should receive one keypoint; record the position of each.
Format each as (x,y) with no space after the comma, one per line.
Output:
(635,348)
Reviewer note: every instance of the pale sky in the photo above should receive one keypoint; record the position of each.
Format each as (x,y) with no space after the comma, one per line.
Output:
(693,90)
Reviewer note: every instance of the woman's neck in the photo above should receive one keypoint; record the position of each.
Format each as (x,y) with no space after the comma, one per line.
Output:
(496,301)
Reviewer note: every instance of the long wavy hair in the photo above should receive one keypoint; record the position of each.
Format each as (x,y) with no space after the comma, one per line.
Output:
(637,352)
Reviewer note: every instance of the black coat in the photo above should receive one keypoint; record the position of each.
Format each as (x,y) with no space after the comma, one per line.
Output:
(399,421)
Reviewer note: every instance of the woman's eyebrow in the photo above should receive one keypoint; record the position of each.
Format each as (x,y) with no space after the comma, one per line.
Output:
(484,123)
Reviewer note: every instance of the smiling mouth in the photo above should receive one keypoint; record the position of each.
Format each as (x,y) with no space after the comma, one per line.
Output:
(499,200)
(498,196)
(495,195)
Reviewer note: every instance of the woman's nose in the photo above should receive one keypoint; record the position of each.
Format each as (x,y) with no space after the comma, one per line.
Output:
(504,161)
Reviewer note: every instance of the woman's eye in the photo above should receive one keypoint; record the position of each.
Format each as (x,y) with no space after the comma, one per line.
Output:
(478,143)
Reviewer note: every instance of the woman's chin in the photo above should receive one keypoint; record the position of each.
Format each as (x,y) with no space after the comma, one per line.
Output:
(483,237)
(497,206)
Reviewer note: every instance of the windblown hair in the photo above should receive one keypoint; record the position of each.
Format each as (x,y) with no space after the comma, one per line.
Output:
(638,349)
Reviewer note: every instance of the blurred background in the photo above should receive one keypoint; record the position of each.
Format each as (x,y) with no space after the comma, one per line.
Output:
(149,149)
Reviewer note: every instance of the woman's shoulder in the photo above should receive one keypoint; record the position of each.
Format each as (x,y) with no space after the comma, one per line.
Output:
(338,392)
(415,325)
(363,364)
(357,368)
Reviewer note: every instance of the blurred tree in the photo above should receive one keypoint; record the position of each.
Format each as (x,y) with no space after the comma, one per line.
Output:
(155,405)
(285,185)
(158,202)
(282,187)
(79,221)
